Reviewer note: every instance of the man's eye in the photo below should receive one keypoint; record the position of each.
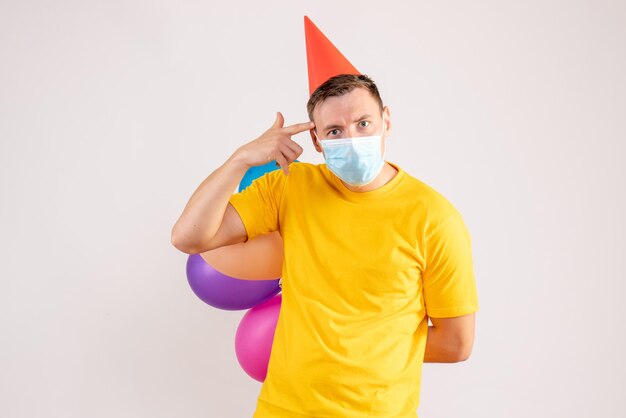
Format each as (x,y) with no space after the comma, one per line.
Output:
(365,123)
(331,132)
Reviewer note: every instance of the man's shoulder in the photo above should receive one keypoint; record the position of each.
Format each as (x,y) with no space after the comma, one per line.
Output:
(297,168)
(438,205)
(303,166)
(300,171)
(300,174)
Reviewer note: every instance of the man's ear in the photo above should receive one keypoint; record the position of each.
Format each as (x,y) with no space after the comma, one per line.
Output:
(318,148)
(387,113)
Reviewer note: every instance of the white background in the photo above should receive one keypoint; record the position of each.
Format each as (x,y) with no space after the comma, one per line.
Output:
(113,112)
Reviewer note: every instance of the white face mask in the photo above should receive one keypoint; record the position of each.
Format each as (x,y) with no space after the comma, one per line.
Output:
(357,160)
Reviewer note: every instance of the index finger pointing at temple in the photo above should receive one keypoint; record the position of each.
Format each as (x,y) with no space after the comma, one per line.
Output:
(299,127)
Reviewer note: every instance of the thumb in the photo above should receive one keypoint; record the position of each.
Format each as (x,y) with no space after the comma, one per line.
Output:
(278,123)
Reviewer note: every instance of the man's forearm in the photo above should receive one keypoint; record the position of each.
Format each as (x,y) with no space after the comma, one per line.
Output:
(440,348)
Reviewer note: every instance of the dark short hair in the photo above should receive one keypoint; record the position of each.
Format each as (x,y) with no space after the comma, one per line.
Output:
(340,85)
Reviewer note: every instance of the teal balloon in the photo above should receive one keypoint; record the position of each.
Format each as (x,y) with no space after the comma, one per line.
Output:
(256,172)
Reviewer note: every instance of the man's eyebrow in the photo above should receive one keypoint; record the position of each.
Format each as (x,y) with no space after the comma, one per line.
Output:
(366,116)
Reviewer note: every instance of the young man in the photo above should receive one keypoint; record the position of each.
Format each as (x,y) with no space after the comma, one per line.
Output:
(370,253)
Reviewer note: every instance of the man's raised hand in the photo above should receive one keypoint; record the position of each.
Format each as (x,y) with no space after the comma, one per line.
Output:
(274,144)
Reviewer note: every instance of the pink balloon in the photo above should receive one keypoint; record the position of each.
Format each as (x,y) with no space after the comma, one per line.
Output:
(255,335)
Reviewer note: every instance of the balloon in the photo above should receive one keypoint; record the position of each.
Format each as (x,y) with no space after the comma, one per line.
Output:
(225,292)
(257,171)
(260,258)
(255,336)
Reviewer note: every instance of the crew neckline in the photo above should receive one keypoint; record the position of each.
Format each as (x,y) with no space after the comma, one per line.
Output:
(360,196)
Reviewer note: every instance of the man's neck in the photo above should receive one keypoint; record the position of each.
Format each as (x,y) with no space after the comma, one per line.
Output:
(386,174)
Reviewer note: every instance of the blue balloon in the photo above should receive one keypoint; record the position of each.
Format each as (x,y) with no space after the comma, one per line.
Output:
(256,172)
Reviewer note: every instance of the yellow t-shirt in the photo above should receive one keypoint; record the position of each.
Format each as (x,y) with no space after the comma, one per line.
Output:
(360,272)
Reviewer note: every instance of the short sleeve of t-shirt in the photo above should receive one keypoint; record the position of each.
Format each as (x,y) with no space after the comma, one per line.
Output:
(448,279)
(258,204)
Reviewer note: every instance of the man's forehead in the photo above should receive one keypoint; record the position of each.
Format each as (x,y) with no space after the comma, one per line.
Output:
(339,115)
(332,112)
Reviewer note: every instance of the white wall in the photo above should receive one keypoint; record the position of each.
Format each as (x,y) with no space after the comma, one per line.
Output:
(111,114)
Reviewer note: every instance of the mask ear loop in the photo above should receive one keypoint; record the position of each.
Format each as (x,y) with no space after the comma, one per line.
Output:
(317,137)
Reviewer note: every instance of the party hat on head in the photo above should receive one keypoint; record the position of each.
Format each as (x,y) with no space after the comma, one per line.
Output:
(323,59)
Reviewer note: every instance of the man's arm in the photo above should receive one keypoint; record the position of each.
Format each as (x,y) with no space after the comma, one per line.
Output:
(450,340)
(209,221)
